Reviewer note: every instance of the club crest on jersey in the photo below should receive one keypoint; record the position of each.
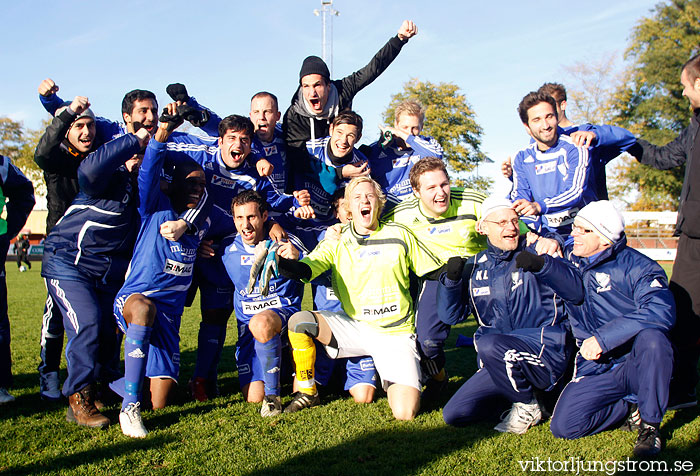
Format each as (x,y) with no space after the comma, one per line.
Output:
(178,269)
(517,280)
(440,229)
(482,291)
(380,310)
(270,150)
(603,280)
(369,252)
(547,167)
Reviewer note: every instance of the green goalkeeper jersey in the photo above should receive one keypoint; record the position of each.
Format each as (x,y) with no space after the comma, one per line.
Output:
(454,232)
(370,274)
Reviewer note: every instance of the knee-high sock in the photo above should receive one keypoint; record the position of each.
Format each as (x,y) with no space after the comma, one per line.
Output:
(221,339)
(304,353)
(270,356)
(136,345)
(207,346)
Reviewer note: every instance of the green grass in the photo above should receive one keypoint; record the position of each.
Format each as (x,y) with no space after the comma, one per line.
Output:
(227,436)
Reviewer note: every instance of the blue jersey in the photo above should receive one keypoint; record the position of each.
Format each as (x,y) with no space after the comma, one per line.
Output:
(95,237)
(274,152)
(390,166)
(160,269)
(559,179)
(284,293)
(319,184)
(224,184)
(565,178)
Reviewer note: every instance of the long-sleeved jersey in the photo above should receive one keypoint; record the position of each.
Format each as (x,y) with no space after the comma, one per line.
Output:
(390,166)
(224,184)
(563,179)
(160,269)
(19,192)
(274,152)
(319,183)
(283,292)
(454,232)
(370,274)
(95,237)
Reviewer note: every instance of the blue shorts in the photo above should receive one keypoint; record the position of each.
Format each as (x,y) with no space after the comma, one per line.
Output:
(352,371)
(249,368)
(164,351)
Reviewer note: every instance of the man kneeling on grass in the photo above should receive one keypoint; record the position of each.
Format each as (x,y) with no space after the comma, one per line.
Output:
(370,266)
(149,306)
(522,340)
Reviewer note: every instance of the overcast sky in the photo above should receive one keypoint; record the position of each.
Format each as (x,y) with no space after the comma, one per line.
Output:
(225,51)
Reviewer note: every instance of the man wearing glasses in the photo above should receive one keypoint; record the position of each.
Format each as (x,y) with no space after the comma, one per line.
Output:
(623,366)
(516,293)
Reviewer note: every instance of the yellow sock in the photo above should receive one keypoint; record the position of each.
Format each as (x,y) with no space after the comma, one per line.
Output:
(304,354)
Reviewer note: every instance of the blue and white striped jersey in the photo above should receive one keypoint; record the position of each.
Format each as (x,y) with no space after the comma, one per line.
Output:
(223,184)
(390,166)
(560,180)
(311,178)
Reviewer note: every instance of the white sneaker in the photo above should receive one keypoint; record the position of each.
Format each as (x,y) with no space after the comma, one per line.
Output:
(520,418)
(271,406)
(5,396)
(131,422)
(49,388)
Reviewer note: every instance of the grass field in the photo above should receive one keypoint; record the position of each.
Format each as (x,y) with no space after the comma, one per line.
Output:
(227,436)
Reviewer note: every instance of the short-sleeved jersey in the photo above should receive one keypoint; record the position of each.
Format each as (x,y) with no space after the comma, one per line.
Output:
(274,152)
(454,232)
(284,293)
(390,166)
(370,274)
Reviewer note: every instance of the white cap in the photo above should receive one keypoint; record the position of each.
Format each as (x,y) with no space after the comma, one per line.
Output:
(604,219)
(494,203)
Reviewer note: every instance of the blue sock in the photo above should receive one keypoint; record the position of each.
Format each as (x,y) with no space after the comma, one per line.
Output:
(270,357)
(213,371)
(207,345)
(136,346)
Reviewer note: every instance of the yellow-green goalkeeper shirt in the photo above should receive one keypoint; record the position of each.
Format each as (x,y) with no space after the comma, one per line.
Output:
(454,232)
(370,274)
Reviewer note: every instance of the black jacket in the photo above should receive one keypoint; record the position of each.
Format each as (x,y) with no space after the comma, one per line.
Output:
(677,152)
(297,128)
(60,167)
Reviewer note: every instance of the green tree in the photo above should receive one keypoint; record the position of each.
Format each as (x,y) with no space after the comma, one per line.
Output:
(19,144)
(650,103)
(452,122)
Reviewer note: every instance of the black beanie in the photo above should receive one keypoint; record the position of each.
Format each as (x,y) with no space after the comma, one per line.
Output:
(314,65)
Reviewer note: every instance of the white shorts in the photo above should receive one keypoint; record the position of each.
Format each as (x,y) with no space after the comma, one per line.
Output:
(395,356)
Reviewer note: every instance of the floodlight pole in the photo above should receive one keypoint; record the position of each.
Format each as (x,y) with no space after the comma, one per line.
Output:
(326,11)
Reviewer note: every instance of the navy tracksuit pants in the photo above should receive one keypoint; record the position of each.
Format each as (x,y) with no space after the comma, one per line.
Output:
(594,403)
(512,369)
